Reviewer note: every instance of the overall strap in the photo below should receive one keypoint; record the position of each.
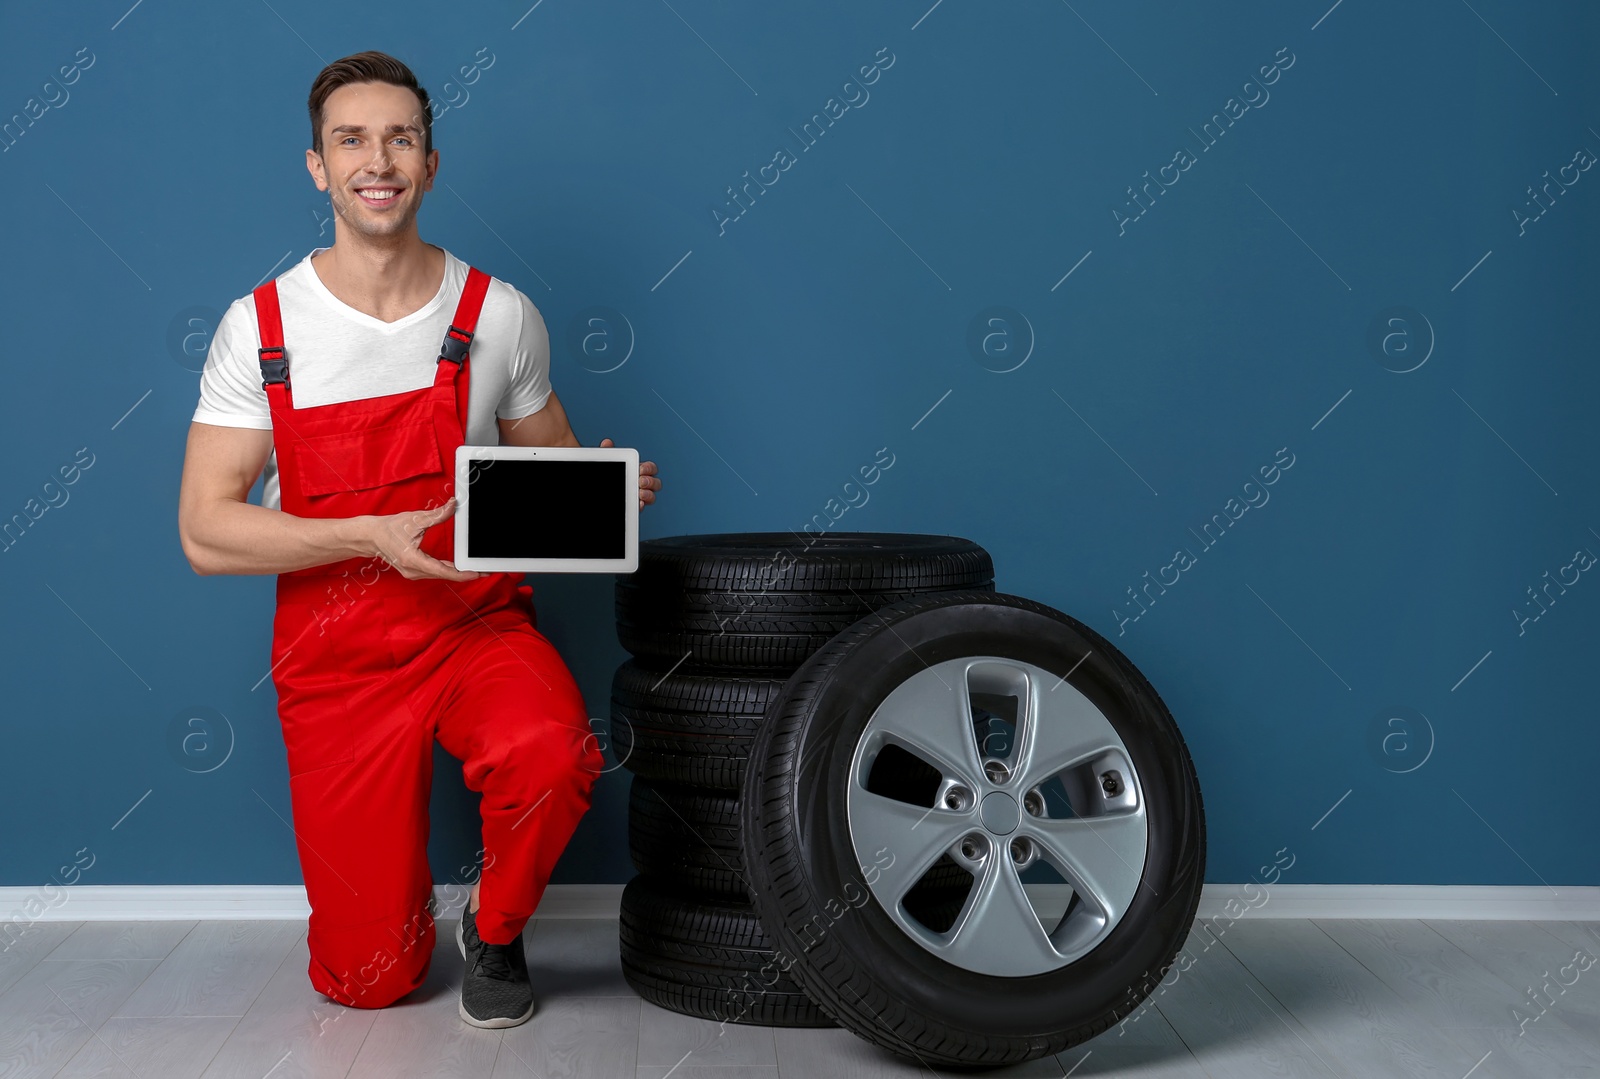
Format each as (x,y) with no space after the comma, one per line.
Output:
(275,380)
(269,325)
(457,345)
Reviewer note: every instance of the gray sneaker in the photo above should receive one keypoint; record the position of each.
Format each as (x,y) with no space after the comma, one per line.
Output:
(495,991)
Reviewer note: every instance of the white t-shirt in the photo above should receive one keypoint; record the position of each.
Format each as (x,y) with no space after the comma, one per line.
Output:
(337,353)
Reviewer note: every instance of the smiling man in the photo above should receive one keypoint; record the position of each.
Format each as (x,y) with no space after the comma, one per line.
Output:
(350,380)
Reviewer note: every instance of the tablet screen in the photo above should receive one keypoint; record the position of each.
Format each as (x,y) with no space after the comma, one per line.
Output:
(547,509)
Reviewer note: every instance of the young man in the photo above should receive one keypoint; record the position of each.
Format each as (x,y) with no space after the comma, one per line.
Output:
(333,377)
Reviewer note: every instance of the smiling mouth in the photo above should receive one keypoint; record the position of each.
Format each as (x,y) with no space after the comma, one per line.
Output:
(378,196)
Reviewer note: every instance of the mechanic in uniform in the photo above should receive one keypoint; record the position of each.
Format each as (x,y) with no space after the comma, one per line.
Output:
(351,378)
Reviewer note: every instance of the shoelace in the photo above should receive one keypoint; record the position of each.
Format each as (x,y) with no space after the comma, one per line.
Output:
(494,961)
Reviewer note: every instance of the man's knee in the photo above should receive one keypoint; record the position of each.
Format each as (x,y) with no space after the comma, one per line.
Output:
(553,754)
(375,965)
(387,985)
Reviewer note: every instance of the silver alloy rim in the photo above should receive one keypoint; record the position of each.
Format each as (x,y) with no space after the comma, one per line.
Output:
(1064,794)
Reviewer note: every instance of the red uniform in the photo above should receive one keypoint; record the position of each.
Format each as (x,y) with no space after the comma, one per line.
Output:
(371,668)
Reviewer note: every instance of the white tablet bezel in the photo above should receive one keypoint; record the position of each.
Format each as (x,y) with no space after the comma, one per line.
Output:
(465,455)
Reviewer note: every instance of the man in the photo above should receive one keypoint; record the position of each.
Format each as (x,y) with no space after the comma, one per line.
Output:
(333,377)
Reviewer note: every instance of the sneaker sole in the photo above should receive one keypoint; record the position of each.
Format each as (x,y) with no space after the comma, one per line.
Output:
(486,1024)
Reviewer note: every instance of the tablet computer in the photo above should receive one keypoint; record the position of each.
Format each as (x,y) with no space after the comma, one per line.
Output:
(547,509)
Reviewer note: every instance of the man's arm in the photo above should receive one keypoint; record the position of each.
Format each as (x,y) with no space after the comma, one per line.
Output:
(546,427)
(549,427)
(223,533)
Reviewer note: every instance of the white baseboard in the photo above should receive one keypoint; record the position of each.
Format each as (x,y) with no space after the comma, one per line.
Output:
(89,903)
(559,901)
(1454,902)
(250,902)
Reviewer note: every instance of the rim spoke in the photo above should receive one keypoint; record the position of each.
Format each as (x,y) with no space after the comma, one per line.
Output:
(1000,931)
(900,839)
(1101,857)
(932,716)
(1100,848)
(1061,727)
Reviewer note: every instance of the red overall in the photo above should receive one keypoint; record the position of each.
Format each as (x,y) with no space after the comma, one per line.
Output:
(371,668)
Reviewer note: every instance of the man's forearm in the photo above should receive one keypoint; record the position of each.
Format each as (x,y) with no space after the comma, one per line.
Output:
(240,537)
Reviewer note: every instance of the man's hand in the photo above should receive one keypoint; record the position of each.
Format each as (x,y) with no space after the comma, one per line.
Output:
(549,427)
(395,538)
(648,483)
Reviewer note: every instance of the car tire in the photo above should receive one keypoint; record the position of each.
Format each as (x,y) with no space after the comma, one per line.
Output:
(1090,741)
(764,601)
(687,839)
(708,958)
(687,728)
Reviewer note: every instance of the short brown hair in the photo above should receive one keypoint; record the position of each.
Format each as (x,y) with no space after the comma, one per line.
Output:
(370,66)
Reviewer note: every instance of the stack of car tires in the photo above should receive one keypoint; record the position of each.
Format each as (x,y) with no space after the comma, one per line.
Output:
(870,790)
(716,625)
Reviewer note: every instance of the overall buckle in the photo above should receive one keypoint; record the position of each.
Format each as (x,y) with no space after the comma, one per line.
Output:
(274,368)
(456,344)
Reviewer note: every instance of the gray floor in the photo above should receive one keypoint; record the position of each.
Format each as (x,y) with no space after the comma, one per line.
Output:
(171,1000)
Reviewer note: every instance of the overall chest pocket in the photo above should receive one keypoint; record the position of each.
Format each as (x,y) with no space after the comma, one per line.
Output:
(378,456)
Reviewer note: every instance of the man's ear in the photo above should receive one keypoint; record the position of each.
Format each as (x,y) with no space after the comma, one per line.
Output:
(315,167)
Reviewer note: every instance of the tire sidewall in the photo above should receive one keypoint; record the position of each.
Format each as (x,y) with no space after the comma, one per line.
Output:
(829,721)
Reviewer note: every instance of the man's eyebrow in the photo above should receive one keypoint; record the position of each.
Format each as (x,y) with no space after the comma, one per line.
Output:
(393,128)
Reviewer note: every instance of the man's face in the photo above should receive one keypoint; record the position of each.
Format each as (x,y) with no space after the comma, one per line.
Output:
(372,164)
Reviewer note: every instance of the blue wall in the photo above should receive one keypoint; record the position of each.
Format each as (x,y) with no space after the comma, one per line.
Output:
(1351,636)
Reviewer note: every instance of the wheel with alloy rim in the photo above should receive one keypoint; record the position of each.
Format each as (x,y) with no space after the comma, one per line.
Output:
(994,734)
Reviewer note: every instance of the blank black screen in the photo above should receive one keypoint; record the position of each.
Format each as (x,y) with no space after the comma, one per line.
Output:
(546,509)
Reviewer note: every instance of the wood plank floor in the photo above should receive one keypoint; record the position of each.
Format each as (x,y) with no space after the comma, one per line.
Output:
(1278,998)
